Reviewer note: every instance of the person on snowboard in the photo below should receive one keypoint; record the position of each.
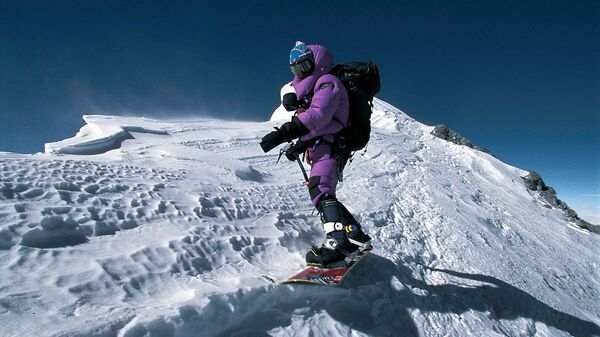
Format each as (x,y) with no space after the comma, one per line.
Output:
(322,109)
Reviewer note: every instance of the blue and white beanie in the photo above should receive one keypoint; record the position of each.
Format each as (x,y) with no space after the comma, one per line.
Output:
(300,52)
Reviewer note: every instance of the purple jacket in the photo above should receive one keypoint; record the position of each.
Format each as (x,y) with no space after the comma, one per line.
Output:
(330,98)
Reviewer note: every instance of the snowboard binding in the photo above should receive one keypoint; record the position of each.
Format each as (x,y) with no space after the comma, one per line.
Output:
(344,242)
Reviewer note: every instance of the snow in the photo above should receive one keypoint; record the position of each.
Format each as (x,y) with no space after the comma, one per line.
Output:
(281,114)
(101,134)
(140,227)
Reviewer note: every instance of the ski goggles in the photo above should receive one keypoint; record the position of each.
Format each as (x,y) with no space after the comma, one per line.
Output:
(302,68)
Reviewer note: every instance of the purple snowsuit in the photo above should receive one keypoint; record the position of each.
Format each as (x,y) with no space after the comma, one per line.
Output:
(327,114)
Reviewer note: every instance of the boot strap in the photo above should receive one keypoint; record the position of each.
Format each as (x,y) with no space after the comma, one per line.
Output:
(329,227)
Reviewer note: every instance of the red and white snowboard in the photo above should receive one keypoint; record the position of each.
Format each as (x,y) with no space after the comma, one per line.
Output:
(321,276)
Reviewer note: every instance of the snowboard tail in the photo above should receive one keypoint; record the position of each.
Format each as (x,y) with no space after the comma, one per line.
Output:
(323,276)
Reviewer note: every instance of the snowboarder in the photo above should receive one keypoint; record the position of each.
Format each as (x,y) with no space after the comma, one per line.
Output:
(322,108)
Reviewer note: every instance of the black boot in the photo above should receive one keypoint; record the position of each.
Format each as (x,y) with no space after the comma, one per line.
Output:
(335,251)
(354,231)
(344,235)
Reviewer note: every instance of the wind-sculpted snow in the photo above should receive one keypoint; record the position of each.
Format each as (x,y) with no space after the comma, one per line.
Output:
(100,134)
(169,233)
(380,299)
(60,203)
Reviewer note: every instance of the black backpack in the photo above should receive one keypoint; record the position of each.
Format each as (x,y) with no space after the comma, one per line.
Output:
(362,82)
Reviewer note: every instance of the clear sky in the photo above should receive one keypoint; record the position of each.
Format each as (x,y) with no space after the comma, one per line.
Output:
(521,78)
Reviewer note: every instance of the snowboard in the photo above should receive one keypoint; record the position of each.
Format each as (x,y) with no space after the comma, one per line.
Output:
(321,276)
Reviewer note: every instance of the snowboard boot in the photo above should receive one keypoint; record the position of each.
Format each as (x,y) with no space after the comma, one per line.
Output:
(344,236)
(354,231)
(336,251)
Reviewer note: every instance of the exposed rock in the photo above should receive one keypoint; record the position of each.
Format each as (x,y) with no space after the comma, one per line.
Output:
(445,133)
(534,182)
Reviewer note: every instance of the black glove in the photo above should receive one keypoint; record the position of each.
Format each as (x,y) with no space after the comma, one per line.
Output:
(290,101)
(294,151)
(271,140)
(286,133)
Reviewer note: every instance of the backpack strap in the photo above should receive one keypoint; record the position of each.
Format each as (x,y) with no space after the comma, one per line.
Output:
(339,122)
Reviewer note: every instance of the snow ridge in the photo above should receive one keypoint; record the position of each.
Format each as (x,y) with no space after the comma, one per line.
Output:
(99,135)
(169,232)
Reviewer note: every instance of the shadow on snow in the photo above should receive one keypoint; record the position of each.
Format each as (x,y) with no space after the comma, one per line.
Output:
(368,301)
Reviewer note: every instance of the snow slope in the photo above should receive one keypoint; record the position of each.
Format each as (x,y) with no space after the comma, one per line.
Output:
(137,227)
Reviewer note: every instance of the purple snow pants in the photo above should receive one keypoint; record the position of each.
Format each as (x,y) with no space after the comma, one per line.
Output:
(323,172)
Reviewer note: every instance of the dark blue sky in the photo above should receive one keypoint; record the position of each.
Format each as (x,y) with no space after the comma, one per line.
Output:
(521,78)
